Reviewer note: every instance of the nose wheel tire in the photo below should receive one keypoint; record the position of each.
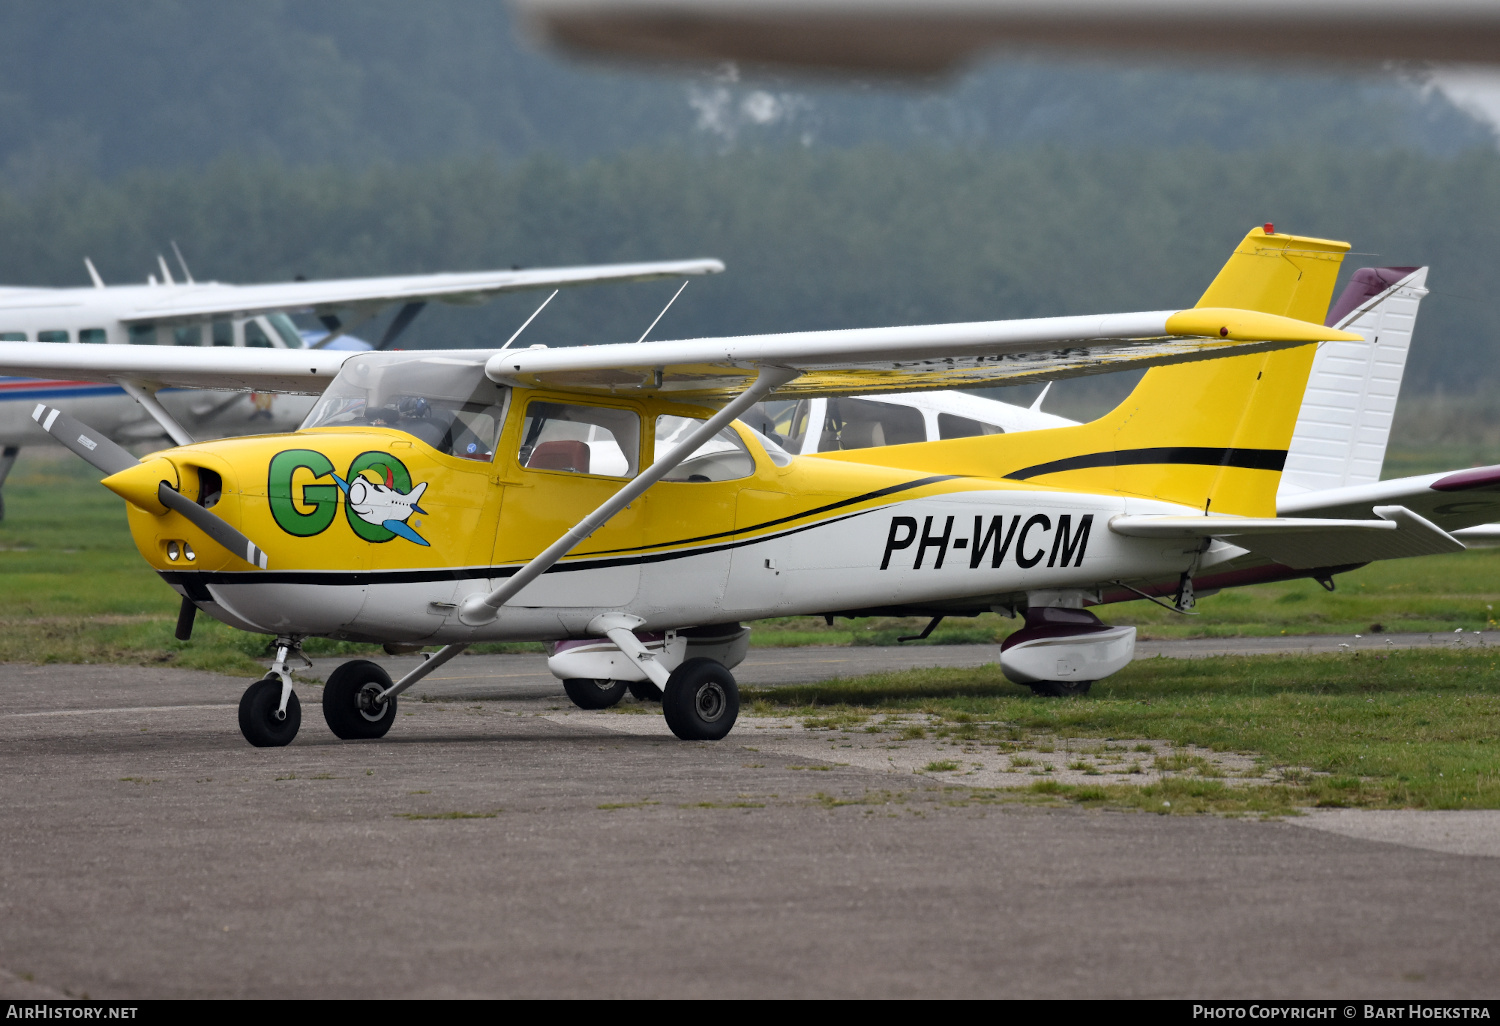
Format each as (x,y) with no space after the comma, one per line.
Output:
(701,701)
(587,693)
(258,720)
(350,704)
(1061,688)
(645,691)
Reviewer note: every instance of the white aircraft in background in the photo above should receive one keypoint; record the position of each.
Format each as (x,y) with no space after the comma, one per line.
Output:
(166,312)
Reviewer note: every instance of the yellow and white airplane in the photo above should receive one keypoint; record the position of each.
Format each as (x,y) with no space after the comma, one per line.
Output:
(211,314)
(455,497)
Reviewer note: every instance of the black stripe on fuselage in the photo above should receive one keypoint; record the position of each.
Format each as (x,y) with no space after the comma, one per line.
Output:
(866,497)
(1191,455)
(338,578)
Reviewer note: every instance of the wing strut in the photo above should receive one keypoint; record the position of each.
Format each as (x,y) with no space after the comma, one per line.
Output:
(147,399)
(400,323)
(480,609)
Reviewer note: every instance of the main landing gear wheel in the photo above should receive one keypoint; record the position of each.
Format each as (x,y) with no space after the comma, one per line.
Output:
(350,704)
(701,701)
(587,693)
(258,714)
(1061,688)
(644,691)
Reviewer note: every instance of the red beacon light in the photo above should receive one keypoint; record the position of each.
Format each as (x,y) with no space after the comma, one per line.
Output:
(1270,228)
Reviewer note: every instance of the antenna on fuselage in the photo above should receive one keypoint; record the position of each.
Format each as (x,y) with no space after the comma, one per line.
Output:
(662,314)
(166,272)
(98,281)
(1037,403)
(531,318)
(182,263)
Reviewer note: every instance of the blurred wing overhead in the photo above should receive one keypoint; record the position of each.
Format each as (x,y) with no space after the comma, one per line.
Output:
(904,359)
(919,37)
(210,299)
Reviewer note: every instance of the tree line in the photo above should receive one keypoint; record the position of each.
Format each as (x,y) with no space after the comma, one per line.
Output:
(813,238)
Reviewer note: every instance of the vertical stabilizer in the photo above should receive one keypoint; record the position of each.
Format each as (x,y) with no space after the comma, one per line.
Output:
(1345,423)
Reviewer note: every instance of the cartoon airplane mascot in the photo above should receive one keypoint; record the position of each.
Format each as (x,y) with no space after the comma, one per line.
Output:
(603,498)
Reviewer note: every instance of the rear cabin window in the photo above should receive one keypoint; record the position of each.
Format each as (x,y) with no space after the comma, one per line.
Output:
(722,458)
(12,336)
(950,426)
(864,423)
(443,401)
(93,336)
(580,439)
(52,336)
(143,334)
(192,335)
(223,333)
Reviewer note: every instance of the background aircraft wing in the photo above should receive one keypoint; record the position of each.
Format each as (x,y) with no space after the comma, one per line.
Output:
(1452,500)
(935,356)
(925,36)
(305,371)
(469,288)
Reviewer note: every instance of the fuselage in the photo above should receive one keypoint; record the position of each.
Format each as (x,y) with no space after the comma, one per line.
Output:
(771,535)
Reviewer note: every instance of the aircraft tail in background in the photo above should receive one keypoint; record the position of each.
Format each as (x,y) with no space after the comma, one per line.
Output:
(1345,423)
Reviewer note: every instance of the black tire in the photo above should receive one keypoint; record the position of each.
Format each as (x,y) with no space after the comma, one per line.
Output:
(588,693)
(258,720)
(701,701)
(644,691)
(348,701)
(1061,688)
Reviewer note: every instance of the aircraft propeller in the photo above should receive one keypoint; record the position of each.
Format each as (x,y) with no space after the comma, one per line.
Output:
(111,460)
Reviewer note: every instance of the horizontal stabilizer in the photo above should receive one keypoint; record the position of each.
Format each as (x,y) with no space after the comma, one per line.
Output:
(1304,543)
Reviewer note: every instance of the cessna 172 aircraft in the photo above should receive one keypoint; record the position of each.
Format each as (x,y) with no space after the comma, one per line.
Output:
(166,312)
(452,497)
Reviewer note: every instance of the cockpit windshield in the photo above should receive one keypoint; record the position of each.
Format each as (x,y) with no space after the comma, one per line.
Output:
(445,401)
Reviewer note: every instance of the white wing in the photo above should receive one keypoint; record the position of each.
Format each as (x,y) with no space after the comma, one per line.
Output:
(306,371)
(211,299)
(920,357)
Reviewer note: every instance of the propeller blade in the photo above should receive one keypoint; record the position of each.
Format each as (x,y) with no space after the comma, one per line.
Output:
(211,525)
(91,446)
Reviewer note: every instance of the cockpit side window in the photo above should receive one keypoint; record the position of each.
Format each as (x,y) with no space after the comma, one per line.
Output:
(580,439)
(445,402)
(722,458)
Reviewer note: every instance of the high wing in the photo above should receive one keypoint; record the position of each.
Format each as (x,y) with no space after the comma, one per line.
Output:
(935,356)
(1303,543)
(211,299)
(829,362)
(302,371)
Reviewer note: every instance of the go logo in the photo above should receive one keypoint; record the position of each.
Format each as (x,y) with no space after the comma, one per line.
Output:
(314,510)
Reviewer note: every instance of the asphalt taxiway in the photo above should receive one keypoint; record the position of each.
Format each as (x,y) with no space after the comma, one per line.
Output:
(499,844)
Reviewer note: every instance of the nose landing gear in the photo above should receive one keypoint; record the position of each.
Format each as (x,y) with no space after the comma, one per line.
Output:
(270,714)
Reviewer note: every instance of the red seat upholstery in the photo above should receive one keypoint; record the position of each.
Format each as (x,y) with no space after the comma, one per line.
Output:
(561,455)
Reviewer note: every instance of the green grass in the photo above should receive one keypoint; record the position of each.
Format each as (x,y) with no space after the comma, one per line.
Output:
(75,590)
(1417,728)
